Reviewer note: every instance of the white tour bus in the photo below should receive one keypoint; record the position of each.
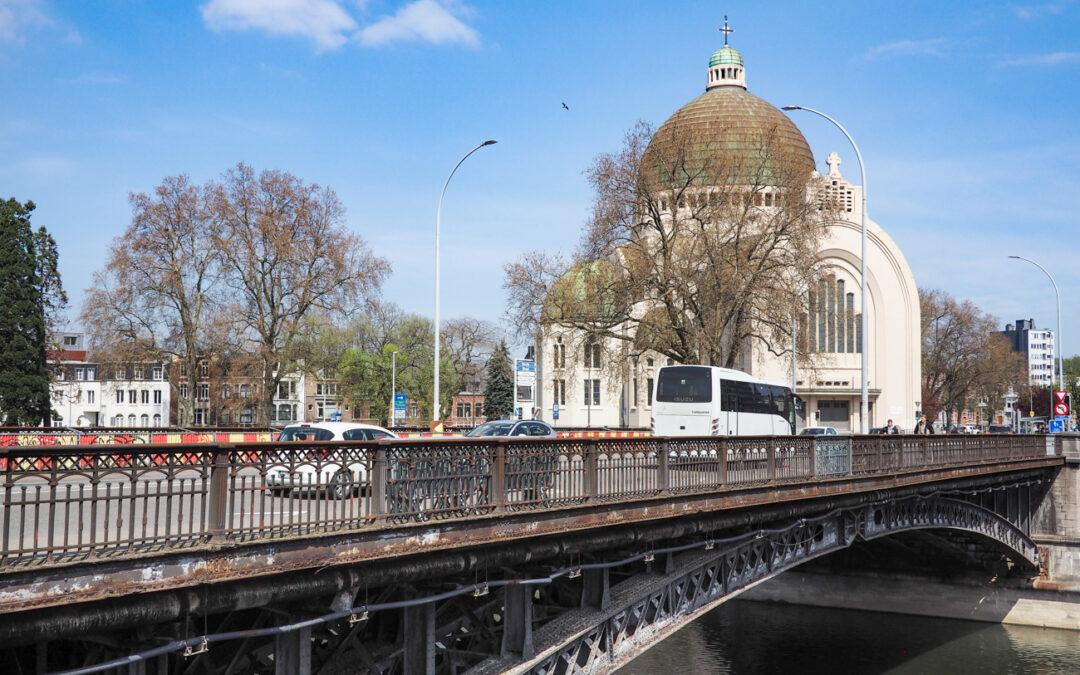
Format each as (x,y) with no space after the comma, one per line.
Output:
(711,401)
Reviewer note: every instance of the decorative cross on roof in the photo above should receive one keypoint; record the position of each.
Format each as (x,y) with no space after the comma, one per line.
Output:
(726,30)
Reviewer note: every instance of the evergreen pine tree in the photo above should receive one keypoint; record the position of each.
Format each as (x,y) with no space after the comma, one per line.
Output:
(499,391)
(24,376)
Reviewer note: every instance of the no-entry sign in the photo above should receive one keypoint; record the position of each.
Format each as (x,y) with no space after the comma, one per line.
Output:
(1061,403)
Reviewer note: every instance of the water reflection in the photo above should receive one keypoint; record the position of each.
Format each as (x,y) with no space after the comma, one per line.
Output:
(749,637)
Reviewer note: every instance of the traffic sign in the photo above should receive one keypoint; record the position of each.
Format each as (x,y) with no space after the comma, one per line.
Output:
(554,411)
(335,416)
(401,403)
(1061,403)
(1056,425)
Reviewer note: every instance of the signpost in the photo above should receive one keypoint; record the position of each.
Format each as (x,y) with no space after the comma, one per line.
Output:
(401,403)
(1061,403)
(555,411)
(524,386)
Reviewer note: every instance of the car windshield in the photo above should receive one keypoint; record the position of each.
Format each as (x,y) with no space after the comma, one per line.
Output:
(491,429)
(813,432)
(305,434)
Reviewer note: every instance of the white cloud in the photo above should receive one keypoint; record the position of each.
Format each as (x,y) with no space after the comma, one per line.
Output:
(324,22)
(929,47)
(17,17)
(1048,59)
(420,21)
(1039,10)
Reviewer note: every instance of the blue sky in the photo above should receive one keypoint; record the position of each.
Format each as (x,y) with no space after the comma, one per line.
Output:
(965,112)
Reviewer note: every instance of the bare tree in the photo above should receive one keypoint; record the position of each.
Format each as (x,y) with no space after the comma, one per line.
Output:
(468,343)
(157,292)
(287,255)
(692,254)
(965,359)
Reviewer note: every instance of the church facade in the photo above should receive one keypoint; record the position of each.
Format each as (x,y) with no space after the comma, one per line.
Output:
(583,384)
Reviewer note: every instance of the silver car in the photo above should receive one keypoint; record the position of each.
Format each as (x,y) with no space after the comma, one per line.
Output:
(501,428)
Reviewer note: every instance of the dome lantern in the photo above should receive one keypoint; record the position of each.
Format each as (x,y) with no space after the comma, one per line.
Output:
(726,68)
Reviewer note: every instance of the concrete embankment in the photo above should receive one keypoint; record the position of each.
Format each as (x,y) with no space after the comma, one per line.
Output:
(972,599)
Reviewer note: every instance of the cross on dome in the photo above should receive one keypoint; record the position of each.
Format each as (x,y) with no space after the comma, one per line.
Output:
(726,30)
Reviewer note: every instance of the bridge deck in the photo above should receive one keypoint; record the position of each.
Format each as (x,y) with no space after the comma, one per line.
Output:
(84,523)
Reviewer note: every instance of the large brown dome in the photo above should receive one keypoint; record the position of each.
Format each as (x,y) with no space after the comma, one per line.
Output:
(726,131)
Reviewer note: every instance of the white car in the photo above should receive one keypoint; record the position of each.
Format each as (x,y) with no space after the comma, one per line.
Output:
(819,431)
(325,468)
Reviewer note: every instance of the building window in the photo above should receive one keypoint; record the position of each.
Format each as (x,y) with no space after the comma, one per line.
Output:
(650,363)
(204,369)
(157,372)
(464,409)
(138,372)
(131,421)
(157,420)
(70,340)
(133,396)
(559,392)
(157,396)
(90,396)
(144,396)
(245,417)
(592,354)
(635,397)
(592,392)
(183,391)
(144,421)
(183,370)
(204,391)
(119,395)
(200,416)
(648,392)
(120,374)
(559,354)
(118,420)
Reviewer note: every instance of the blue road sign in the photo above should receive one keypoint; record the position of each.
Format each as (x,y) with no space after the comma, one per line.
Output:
(335,416)
(401,403)
(554,411)
(1057,425)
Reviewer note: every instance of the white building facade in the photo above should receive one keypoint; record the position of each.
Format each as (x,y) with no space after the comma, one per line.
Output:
(1037,344)
(601,385)
(88,394)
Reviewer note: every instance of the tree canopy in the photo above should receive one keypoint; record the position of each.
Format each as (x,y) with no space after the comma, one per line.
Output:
(31,298)
(692,256)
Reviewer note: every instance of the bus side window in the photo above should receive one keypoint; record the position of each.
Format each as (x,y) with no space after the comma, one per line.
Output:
(729,398)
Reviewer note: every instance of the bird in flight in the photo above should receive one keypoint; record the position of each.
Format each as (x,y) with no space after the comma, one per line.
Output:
(565,106)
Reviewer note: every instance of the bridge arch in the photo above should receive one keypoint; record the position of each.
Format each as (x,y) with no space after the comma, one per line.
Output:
(704,578)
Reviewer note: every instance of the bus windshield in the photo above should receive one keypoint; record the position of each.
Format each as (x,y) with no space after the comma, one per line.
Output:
(684,384)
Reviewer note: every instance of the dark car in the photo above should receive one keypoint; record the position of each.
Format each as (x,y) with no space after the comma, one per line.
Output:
(999,429)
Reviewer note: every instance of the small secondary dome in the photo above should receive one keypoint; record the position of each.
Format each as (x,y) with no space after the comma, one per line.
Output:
(726,56)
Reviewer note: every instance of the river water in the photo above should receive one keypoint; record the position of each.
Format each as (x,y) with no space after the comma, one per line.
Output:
(742,637)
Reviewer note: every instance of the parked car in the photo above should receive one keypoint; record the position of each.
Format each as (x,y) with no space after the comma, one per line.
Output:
(326,468)
(500,428)
(999,429)
(819,431)
(968,429)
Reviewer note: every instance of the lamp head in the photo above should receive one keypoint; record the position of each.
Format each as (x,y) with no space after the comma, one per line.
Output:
(488,142)
(1015,257)
(792,107)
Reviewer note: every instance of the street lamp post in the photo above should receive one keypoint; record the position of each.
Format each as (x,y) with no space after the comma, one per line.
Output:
(864,411)
(436,412)
(1057,340)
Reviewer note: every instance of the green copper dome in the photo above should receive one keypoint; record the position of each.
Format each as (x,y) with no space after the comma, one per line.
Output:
(726,56)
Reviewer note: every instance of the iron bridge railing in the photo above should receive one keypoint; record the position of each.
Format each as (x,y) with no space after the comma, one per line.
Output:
(80,503)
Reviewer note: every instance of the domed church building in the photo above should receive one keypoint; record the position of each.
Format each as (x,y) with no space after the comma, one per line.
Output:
(608,385)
